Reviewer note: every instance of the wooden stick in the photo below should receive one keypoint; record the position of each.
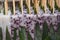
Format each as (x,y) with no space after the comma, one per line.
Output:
(21,1)
(32,1)
(6,6)
(44,5)
(59,3)
(36,5)
(28,4)
(53,6)
(51,2)
(14,7)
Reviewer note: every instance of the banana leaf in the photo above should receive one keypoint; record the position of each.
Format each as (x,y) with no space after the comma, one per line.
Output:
(38,32)
(45,32)
(52,33)
(7,35)
(14,34)
(22,34)
(58,32)
(0,33)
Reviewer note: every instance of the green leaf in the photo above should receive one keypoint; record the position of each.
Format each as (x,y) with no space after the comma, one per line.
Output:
(38,32)
(52,33)
(58,32)
(45,31)
(29,36)
(15,34)
(48,38)
(22,34)
(0,33)
(7,35)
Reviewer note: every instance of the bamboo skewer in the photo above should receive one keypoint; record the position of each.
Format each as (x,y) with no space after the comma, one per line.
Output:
(28,5)
(52,5)
(44,5)
(14,7)
(36,5)
(6,6)
(21,2)
(32,1)
(58,3)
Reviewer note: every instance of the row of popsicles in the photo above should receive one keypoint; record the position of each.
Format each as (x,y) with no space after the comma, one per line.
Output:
(29,5)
